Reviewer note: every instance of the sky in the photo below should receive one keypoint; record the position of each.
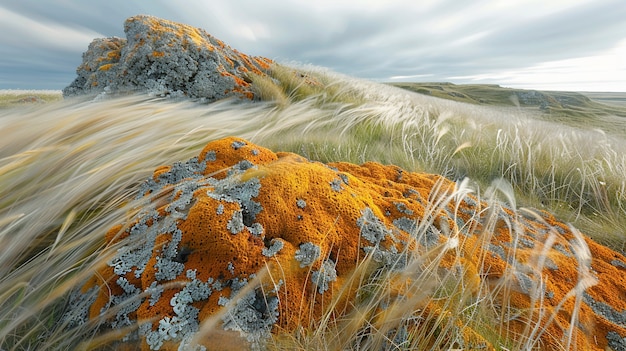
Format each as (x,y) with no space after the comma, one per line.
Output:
(576,45)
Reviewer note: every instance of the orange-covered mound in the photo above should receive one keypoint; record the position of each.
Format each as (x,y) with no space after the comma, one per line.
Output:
(274,237)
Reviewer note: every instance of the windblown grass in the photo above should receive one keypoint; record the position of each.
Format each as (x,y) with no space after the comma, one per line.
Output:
(69,168)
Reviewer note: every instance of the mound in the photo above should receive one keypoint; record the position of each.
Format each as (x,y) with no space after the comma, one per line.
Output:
(261,242)
(165,58)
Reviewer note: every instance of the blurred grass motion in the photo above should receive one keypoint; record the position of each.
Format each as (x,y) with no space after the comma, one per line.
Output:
(68,170)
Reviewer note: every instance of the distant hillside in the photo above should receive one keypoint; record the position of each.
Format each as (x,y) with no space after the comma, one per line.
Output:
(608,110)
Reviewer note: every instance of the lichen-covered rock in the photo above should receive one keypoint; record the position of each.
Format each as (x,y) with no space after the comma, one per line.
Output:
(165,58)
(272,238)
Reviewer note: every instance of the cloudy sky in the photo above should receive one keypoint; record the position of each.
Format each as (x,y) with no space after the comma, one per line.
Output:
(540,44)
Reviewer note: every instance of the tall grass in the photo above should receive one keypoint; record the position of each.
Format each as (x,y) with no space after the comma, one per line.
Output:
(69,168)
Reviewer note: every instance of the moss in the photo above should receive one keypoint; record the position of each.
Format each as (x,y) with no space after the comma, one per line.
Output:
(237,209)
(106,67)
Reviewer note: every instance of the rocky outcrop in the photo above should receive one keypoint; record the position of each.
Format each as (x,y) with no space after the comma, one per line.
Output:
(265,242)
(165,58)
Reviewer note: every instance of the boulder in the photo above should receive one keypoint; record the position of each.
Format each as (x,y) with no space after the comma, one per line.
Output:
(262,242)
(165,58)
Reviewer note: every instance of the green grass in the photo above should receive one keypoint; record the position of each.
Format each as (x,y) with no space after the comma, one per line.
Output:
(604,111)
(67,169)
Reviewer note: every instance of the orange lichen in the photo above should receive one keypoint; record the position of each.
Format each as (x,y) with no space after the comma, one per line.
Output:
(158,54)
(106,67)
(114,55)
(309,225)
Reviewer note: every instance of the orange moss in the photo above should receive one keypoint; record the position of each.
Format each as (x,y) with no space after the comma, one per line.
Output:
(328,206)
(106,67)
(114,55)
(263,62)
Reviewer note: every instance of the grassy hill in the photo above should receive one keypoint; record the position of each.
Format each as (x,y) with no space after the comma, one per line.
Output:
(606,111)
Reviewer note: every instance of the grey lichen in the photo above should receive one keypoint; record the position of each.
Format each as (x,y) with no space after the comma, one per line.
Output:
(210,156)
(301,203)
(168,266)
(562,249)
(618,263)
(256,229)
(223,301)
(235,223)
(230,189)
(406,224)
(178,207)
(497,250)
(179,171)
(526,242)
(275,247)
(525,282)
(128,302)
(307,254)
(155,290)
(390,259)
(238,144)
(605,310)
(167,269)
(371,227)
(336,185)
(78,310)
(253,315)
(181,327)
(171,255)
(137,255)
(616,342)
(344,178)
(428,236)
(550,264)
(324,276)
(402,208)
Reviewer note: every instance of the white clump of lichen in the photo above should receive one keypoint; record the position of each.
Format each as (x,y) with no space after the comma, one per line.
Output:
(275,247)
(307,254)
(371,227)
(155,290)
(253,315)
(235,223)
(167,269)
(324,276)
(180,327)
(301,203)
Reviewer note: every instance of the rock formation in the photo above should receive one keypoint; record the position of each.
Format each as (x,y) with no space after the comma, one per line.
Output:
(265,241)
(165,58)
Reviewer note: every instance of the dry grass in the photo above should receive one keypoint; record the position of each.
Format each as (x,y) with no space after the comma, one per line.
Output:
(67,170)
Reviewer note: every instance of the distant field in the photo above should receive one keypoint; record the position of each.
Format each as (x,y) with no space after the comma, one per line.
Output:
(11,98)
(605,111)
(618,99)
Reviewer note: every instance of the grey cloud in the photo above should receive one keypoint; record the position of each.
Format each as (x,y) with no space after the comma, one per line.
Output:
(393,40)
(580,31)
